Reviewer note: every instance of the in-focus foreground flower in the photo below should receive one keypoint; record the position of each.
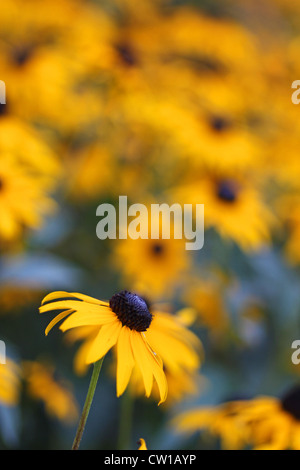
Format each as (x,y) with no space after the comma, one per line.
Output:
(125,322)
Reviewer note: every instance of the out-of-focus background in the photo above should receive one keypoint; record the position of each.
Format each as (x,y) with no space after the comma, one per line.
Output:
(162,101)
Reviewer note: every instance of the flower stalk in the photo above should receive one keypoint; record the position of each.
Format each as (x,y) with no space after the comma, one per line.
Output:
(87,404)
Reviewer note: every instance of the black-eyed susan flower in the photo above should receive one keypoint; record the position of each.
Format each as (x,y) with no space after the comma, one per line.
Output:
(221,422)
(125,322)
(10,383)
(24,199)
(262,423)
(169,334)
(15,297)
(234,205)
(56,395)
(273,423)
(206,297)
(91,172)
(165,260)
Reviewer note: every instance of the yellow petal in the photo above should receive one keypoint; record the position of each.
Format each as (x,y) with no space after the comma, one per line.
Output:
(98,317)
(142,444)
(104,341)
(125,361)
(161,381)
(72,295)
(77,305)
(142,359)
(55,320)
(60,305)
(158,372)
(56,295)
(87,298)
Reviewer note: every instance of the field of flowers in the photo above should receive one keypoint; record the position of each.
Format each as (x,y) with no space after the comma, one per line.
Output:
(164,102)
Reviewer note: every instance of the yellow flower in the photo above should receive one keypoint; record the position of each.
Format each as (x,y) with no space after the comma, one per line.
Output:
(33,63)
(233,205)
(164,260)
(56,396)
(90,171)
(182,354)
(167,334)
(27,146)
(13,298)
(10,383)
(220,421)
(263,423)
(274,423)
(206,297)
(124,322)
(23,198)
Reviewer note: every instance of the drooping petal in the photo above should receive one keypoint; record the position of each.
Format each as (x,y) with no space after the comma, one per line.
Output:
(104,341)
(175,352)
(125,361)
(158,373)
(56,295)
(57,319)
(142,359)
(160,378)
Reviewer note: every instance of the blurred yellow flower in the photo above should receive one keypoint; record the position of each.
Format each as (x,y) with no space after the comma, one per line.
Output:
(164,261)
(91,171)
(233,203)
(262,423)
(24,199)
(274,423)
(15,297)
(27,146)
(220,421)
(206,297)
(56,395)
(10,383)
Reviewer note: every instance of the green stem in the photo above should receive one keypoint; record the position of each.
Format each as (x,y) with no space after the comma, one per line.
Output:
(87,404)
(127,403)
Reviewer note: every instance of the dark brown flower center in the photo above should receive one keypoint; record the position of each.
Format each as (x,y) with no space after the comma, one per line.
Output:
(157,248)
(290,402)
(1,183)
(127,54)
(21,54)
(131,310)
(219,123)
(227,191)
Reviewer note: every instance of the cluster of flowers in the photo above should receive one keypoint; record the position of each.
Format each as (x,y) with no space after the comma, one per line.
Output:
(161,103)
